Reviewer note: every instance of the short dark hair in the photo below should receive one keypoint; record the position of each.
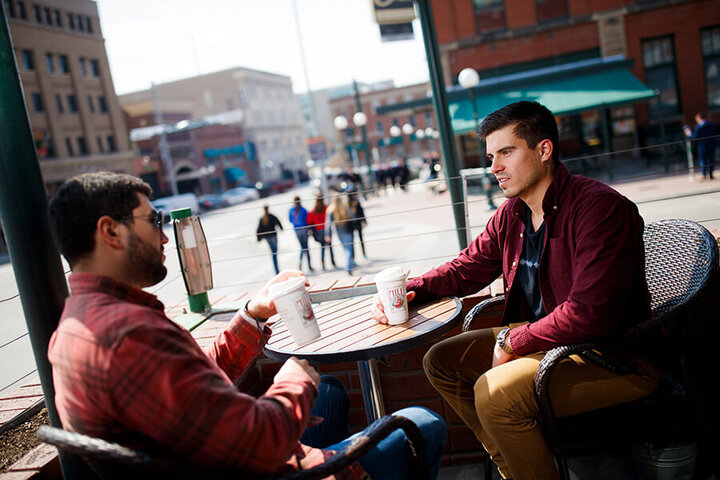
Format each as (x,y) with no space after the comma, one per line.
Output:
(533,123)
(81,201)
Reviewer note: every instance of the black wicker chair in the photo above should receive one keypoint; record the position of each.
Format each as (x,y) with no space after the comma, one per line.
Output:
(681,270)
(113,461)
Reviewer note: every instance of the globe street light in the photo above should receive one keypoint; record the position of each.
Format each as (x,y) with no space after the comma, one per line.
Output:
(341,123)
(395,131)
(468,78)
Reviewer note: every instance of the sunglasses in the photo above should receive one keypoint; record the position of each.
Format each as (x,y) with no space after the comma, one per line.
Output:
(156,219)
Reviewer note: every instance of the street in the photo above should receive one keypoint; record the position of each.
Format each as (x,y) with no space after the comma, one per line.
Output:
(414,229)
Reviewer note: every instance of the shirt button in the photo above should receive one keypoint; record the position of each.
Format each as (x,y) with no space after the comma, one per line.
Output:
(554,207)
(521,235)
(514,263)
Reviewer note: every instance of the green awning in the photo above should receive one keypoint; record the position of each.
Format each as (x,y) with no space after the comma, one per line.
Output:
(562,96)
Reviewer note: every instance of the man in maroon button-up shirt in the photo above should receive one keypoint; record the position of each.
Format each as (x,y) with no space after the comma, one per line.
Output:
(571,253)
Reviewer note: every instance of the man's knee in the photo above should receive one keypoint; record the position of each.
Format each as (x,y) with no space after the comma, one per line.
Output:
(499,396)
(431,425)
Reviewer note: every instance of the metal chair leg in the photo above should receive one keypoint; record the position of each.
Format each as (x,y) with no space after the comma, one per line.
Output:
(562,467)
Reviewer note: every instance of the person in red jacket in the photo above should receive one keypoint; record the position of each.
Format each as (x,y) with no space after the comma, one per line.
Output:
(570,250)
(316,221)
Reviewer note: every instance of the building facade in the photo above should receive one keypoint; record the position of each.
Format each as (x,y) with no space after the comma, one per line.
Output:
(271,136)
(383,145)
(673,47)
(74,114)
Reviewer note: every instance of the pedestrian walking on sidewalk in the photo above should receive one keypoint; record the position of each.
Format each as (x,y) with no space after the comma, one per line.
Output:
(266,230)
(358,219)
(298,218)
(338,214)
(706,133)
(316,222)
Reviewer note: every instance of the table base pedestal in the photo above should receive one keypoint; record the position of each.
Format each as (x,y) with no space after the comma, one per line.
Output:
(371,389)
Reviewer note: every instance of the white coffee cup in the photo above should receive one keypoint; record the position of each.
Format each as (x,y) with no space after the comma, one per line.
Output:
(391,290)
(295,308)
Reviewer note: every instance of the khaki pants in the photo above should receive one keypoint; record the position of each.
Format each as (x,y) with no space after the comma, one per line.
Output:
(499,404)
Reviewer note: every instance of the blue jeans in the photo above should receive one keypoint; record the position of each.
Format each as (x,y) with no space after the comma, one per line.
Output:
(333,405)
(272,242)
(346,238)
(302,236)
(388,459)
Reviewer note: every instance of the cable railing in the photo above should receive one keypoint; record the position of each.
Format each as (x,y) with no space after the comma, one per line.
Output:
(676,165)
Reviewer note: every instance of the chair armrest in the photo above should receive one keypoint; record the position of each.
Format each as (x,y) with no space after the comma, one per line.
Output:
(542,377)
(365,441)
(479,308)
(101,451)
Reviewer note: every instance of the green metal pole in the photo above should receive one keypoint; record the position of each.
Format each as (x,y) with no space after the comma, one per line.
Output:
(440,104)
(366,147)
(24,215)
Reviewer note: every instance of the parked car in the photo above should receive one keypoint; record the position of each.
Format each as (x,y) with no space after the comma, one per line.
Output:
(211,201)
(173,202)
(274,186)
(240,195)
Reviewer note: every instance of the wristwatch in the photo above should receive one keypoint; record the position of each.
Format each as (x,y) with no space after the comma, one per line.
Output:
(501,341)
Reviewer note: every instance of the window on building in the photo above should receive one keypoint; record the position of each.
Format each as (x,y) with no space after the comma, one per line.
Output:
(111,144)
(82,146)
(50,62)
(22,13)
(37,14)
(429,121)
(711,52)
(69,146)
(411,120)
(88,25)
(101,147)
(95,68)
(380,128)
(71,21)
(10,8)
(551,9)
(661,74)
(102,104)
(72,103)
(489,15)
(58,101)
(91,104)
(80,24)
(48,16)
(58,18)
(37,102)
(64,65)
(83,68)
(28,61)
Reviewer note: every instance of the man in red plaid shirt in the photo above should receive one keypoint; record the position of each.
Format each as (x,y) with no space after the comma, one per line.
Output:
(126,373)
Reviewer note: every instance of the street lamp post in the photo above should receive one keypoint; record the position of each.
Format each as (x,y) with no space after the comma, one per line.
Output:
(468,78)
(395,132)
(342,124)
(408,130)
(360,119)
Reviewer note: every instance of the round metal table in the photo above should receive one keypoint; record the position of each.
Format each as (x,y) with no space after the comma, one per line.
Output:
(349,333)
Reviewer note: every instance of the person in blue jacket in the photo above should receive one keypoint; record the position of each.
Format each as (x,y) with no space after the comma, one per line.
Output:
(705,133)
(298,218)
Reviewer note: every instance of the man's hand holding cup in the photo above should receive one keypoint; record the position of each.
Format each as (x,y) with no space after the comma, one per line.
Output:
(378,311)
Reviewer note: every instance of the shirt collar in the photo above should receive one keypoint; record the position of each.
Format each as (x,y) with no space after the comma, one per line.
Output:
(86,282)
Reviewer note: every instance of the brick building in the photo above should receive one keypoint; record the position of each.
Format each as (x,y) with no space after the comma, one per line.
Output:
(674,47)
(621,75)
(74,114)
(385,146)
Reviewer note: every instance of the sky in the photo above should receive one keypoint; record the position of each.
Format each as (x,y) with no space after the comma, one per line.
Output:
(162,40)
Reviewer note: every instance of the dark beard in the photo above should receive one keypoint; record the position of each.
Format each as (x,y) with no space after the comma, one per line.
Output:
(145,263)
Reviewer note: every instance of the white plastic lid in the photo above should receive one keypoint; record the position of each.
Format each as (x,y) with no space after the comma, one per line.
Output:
(390,274)
(283,288)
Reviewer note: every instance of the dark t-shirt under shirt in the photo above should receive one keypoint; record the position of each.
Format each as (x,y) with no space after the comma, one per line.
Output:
(527,272)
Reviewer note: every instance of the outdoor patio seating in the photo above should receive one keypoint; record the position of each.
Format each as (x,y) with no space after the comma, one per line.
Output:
(682,276)
(114,461)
